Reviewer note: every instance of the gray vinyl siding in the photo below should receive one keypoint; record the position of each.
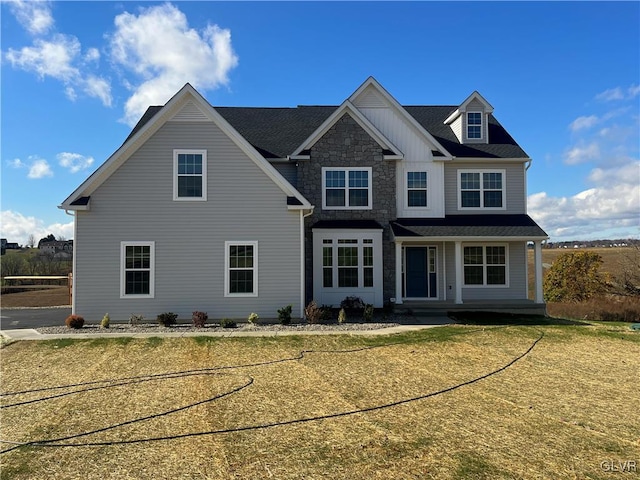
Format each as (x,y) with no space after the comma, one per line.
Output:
(517,289)
(288,171)
(136,204)
(515,186)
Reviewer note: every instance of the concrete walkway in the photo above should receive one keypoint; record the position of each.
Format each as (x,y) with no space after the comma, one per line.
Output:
(30,334)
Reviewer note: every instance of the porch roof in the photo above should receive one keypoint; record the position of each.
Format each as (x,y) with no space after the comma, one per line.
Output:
(472,226)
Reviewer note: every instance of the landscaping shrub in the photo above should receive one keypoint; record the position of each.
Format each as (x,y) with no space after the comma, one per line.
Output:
(326,313)
(312,312)
(199,319)
(367,313)
(135,319)
(284,315)
(74,321)
(342,316)
(105,321)
(228,323)
(167,319)
(253,318)
(574,277)
(353,306)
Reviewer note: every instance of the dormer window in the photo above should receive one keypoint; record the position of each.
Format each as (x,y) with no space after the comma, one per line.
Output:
(474,125)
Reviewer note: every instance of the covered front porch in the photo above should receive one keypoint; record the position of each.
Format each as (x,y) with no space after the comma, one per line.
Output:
(468,262)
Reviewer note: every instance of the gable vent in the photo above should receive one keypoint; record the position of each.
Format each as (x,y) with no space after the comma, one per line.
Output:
(370,99)
(190,113)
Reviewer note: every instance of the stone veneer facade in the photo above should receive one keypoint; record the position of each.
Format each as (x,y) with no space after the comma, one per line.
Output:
(347,144)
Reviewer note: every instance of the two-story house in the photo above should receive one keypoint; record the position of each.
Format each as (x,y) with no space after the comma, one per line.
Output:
(233,210)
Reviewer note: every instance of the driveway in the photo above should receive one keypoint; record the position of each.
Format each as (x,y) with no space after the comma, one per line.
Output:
(32,317)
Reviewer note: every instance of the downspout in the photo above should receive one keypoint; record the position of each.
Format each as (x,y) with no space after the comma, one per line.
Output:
(303,281)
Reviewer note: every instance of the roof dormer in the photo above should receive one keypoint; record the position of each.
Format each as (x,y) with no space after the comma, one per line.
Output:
(469,121)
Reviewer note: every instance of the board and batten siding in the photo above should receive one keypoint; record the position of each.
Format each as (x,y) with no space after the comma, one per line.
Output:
(517,289)
(288,171)
(136,204)
(515,187)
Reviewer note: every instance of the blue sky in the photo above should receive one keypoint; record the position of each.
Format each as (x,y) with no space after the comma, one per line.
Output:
(563,78)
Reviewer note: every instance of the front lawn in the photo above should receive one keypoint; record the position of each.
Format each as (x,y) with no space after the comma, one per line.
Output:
(346,408)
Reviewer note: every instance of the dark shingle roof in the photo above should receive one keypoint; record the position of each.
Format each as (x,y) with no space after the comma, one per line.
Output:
(277,132)
(491,225)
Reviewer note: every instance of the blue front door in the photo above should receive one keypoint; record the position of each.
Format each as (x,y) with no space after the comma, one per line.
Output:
(420,272)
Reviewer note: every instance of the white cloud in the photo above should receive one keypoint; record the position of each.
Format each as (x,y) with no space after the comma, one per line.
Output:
(98,88)
(610,95)
(16,163)
(39,169)
(582,123)
(619,93)
(74,161)
(160,49)
(17,228)
(52,58)
(34,16)
(92,55)
(582,154)
(612,203)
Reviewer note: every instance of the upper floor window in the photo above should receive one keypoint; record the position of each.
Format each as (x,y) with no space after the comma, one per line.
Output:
(190,175)
(346,188)
(481,189)
(137,269)
(416,189)
(474,125)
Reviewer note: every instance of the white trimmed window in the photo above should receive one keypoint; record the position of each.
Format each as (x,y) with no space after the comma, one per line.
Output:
(347,263)
(474,125)
(137,265)
(485,265)
(481,189)
(190,175)
(346,188)
(416,189)
(241,269)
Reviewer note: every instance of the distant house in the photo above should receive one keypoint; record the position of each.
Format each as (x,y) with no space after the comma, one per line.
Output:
(62,248)
(232,210)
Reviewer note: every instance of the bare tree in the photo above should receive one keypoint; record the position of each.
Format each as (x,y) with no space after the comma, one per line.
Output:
(31,241)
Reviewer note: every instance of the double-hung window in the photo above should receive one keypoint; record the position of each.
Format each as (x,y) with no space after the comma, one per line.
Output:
(416,189)
(190,175)
(474,125)
(137,265)
(346,188)
(481,189)
(485,265)
(241,269)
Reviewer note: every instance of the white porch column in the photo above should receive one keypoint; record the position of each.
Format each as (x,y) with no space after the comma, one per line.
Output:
(398,273)
(537,260)
(459,272)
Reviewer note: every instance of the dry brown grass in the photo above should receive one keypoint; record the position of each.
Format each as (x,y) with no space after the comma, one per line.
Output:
(50,297)
(568,405)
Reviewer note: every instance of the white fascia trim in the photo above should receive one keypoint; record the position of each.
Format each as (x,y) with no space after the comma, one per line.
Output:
(394,103)
(476,96)
(467,239)
(346,107)
(452,117)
